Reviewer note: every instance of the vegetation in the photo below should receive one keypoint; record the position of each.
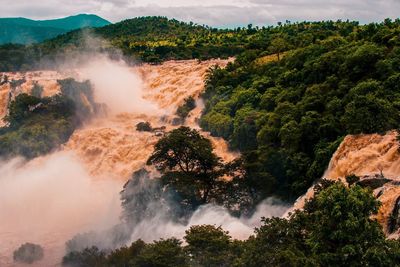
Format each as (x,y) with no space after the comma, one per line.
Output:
(320,235)
(188,105)
(85,258)
(287,117)
(156,39)
(210,246)
(36,126)
(28,253)
(190,168)
(323,234)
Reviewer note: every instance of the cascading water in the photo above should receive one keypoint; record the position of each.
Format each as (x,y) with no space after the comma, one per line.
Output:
(368,156)
(51,198)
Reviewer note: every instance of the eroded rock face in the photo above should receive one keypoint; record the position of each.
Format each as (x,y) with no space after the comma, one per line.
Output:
(376,160)
(394,218)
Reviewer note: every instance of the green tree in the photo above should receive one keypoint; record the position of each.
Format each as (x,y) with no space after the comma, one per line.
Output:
(37,125)
(278,45)
(336,213)
(20,108)
(162,253)
(89,257)
(123,257)
(188,164)
(188,105)
(278,242)
(209,246)
(324,233)
(368,114)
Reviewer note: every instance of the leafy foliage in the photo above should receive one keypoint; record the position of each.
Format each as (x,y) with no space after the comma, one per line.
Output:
(190,168)
(288,116)
(36,126)
(156,39)
(323,234)
(28,253)
(187,160)
(188,105)
(87,258)
(209,246)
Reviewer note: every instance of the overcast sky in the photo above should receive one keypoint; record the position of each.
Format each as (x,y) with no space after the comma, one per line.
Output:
(220,13)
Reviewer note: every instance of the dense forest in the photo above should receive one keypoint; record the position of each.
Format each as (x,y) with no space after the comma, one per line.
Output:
(320,235)
(288,116)
(155,39)
(148,39)
(286,102)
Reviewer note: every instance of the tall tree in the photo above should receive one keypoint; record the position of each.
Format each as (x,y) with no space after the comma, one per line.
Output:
(278,45)
(188,164)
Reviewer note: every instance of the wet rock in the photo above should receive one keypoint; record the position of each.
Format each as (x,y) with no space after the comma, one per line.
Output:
(394,219)
(160,131)
(144,127)
(177,121)
(373,182)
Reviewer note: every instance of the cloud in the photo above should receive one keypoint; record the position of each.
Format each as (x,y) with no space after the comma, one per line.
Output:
(219,13)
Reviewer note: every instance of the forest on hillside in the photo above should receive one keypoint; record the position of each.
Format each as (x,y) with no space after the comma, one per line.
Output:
(292,94)
(156,39)
(288,116)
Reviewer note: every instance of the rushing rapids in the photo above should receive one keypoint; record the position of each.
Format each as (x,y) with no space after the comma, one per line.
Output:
(114,147)
(79,184)
(373,158)
(111,145)
(90,169)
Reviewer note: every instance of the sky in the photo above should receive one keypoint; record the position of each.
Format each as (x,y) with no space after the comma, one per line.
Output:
(217,13)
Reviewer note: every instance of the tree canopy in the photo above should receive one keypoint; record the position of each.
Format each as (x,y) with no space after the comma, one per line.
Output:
(190,167)
(334,229)
(36,126)
(288,116)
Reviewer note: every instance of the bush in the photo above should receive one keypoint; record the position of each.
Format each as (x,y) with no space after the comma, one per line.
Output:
(28,253)
(37,125)
(188,105)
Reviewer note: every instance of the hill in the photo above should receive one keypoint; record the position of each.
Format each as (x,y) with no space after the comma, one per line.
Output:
(147,39)
(155,39)
(27,31)
(288,116)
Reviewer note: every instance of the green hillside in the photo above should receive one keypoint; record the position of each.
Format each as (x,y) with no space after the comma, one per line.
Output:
(26,31)
(23,34)
(292,94)
(149,39)
(288,116)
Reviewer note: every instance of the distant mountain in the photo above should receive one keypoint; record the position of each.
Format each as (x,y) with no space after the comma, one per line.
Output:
(26,31)
(146,39)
